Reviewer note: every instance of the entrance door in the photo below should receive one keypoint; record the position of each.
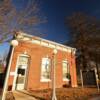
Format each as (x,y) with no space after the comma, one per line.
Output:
(21,73)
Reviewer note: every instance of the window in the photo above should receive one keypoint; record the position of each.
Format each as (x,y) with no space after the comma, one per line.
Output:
(66,70)
(45,69)
(23,60)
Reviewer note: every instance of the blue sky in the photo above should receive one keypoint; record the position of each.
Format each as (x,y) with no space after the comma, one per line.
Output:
(56,11)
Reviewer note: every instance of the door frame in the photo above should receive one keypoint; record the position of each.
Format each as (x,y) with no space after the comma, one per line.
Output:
(16,69)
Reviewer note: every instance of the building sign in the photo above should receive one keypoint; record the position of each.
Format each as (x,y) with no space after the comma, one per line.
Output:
(12,73)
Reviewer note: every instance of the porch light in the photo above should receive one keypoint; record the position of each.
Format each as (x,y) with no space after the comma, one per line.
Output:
(14,43)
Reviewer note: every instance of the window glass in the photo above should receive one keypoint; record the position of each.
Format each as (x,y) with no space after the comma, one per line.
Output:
(23,60)
(66,70)
(45,69)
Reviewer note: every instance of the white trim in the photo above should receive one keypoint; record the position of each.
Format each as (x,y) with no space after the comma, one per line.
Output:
(44,43)
(66,79)
(68,69)
(64,49)
(12,73)
(38,40)
(24,55)
(65,61)
(74,86)
(15,76)
(59,47)
(42,63)
(35,41)
(45,80)
(26,39)
(52,45)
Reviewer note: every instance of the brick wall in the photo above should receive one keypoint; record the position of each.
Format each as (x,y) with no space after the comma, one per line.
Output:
(36,53)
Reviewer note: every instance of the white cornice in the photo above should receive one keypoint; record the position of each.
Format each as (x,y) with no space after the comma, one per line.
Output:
(47,43)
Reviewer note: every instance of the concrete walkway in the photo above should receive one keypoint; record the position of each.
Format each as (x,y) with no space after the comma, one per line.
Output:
(95,98)
(22,95)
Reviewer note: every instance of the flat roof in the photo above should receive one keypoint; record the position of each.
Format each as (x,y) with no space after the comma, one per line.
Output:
(37,40)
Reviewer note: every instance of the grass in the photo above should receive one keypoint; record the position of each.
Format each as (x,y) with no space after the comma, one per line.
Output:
(66,93)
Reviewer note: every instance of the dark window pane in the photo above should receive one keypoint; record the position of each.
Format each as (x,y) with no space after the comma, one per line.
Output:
(21,71)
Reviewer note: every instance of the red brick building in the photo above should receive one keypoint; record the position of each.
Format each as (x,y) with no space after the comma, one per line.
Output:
(32,64)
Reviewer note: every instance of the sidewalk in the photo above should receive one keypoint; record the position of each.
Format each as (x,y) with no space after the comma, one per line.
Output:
(22,95)
(95,98)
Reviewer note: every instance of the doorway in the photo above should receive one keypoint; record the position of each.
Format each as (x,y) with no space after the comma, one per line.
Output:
(22,71)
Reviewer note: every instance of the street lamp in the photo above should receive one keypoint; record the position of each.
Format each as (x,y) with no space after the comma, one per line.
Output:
(14,43)
(54,76)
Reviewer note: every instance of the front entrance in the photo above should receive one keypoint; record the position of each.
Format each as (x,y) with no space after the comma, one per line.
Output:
(22,68)
(20,81)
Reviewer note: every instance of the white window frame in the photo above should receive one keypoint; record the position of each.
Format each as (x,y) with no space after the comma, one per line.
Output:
(15,75)
(42,79)
(67,69)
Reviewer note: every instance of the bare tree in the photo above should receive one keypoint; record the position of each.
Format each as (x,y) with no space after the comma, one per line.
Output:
(14,19)
(85,35)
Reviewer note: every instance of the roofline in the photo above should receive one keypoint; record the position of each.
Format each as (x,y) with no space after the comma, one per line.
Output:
(32,36)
